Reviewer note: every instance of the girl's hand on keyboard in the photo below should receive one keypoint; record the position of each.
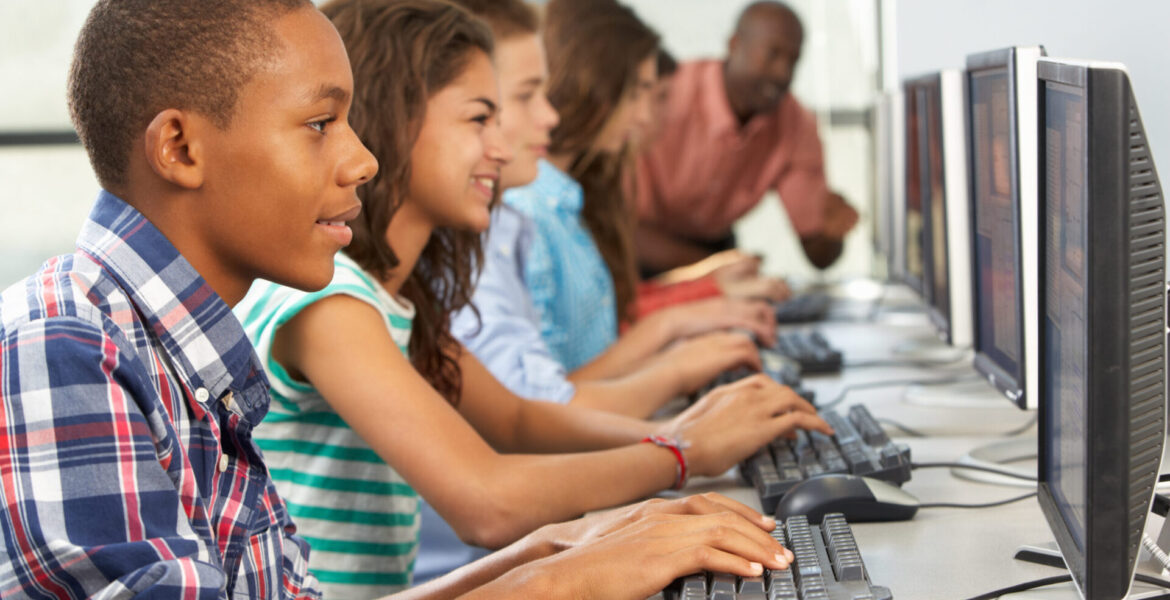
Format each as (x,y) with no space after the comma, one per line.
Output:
(698,361)
(643,556)
(570,534)
(733,421)
(719,314)
(772,289)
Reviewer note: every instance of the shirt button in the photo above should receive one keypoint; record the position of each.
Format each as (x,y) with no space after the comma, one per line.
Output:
(201,395)
(223,463)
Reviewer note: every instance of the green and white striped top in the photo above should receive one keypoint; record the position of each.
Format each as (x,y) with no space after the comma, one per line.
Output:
(358,514)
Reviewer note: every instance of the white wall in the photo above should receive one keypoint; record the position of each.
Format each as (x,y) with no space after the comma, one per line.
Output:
(933,34)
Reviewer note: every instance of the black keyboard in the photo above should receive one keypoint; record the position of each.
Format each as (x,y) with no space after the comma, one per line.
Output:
(803,308)
(779,367)
(810,349)
(827,566)
(859,446)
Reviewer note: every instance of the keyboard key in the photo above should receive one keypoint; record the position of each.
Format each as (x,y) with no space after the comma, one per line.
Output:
(722,586)
(752,588)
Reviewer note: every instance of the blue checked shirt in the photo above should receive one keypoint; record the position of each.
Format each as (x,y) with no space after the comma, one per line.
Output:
(569,282)
(128,393)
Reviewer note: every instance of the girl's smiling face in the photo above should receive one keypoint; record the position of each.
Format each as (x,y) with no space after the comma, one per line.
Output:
(456,160)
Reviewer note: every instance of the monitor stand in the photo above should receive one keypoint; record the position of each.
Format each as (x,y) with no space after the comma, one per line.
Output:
(999,455)
(926,348)
(961,394)
(1049,555)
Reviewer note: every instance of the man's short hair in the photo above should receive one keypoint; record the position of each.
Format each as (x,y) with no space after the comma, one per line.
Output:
(136,58)
(667,65)
(753,9)
(507,18)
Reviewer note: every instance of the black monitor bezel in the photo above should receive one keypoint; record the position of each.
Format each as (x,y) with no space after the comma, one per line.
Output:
(1006,383)
(1104,568)
(940,318)
(910,89)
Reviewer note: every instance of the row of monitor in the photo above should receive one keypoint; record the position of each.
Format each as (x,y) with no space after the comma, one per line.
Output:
(1022,204)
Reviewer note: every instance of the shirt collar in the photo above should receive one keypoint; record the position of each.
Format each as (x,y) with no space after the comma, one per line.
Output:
(557,188)
(203,339)
(718,107)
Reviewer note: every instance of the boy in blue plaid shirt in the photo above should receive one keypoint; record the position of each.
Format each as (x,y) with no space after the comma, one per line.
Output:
(128,390)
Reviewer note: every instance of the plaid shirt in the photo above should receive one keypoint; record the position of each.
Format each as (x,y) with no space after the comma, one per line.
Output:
(128,393)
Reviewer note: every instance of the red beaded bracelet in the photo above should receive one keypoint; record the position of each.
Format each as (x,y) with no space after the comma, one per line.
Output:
(681,472)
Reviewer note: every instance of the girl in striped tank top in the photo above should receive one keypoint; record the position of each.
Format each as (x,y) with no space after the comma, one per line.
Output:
(376,404)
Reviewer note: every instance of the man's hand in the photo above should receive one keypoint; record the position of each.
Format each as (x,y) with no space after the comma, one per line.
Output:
(840,218)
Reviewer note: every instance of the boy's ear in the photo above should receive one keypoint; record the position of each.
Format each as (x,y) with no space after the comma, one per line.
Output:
(172,150)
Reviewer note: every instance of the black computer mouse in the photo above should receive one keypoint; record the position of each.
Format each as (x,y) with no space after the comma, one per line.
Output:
(858,498)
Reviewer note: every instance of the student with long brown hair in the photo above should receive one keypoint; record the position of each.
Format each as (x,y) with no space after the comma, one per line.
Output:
(366,412)
(577,264)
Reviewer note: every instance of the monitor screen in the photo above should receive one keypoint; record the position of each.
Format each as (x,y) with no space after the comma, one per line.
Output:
(1065,302)
(933,185)
(914,272)
(996,234)
(1102,326)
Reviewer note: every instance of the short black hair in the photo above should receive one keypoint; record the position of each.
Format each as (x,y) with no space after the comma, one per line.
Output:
(667,65)
(755,8)
(136,58)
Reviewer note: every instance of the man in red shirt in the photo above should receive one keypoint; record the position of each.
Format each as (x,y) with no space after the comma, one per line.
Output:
(732,132)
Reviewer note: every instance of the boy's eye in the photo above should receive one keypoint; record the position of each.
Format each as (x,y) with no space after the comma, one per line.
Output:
(481,119)
(320,125)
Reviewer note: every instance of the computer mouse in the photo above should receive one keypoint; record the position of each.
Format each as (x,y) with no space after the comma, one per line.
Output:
(860,499)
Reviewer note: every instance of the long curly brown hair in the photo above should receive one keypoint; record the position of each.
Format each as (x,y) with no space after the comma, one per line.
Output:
(403,52)
(594,49)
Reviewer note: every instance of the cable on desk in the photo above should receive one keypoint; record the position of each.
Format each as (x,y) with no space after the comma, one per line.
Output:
(984,505)
(1023,587)
(891,383)
(1047,581)
(910,431)
(923,364)
(955,465)
(1025,427)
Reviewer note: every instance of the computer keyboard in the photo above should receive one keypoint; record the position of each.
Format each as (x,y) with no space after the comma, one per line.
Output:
(779,367)
(858,446)
(803,308)
(827,566)
(810,349)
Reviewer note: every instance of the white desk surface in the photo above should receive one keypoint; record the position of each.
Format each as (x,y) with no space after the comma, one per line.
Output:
(941,553)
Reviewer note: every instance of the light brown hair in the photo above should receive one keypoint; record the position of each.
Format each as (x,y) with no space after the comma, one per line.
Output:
(507,18)
(594,50)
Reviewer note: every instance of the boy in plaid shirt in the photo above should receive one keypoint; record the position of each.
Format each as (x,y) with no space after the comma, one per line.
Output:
(128,390)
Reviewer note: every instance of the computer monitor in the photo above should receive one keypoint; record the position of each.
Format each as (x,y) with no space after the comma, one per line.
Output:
(947,251)
(912,269)
(888,143)
(1001,88)
(1103,343)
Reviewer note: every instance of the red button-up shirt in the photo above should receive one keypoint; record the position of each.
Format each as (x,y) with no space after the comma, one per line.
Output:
(705,171)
